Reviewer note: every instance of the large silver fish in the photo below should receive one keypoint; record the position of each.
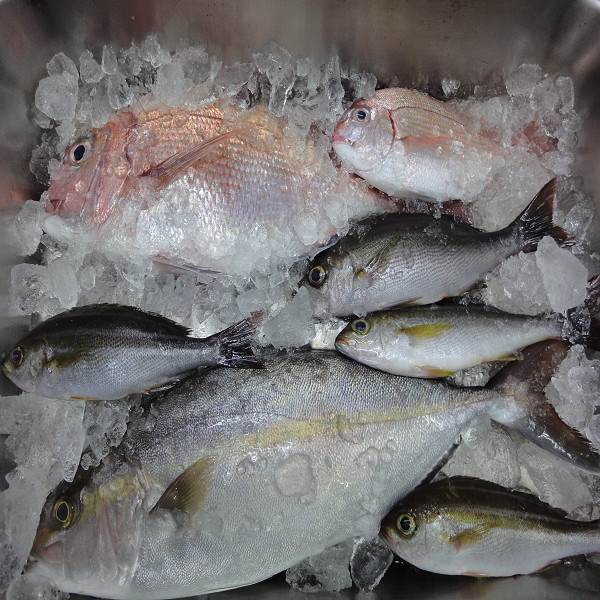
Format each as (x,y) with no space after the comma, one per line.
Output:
(106,352)
(419,259)
(467,526)
(236,475)
(436,341)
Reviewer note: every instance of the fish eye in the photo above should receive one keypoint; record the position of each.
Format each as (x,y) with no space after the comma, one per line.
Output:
(317,276)
(16,356)
(360,326)
(361,114)
(79,152)
(63,512)
(406,525)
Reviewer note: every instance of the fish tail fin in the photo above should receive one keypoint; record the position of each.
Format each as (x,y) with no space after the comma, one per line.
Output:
(535,222)
(534,417)
(579,325)
(236,345)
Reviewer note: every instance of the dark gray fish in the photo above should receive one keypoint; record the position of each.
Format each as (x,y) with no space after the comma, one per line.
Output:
(106,352)
(467,526)
(419,259)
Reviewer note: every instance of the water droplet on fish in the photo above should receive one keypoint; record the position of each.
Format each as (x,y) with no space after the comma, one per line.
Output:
(294,476)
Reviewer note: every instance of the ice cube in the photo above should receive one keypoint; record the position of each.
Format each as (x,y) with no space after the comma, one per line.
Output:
(89,69)
(195,63)
(487,452)
(120,93)
(567,289)
(33,587)
(109,60)
(61,64)
(327,571)
(64,281)
(521,81)
(232,78)
(555,481)
(370,560)
(150,50)
(293,326)
(56,96)
(574,388)
(450,86)
(171,83)
(517,286)
(276,64)
(28,225)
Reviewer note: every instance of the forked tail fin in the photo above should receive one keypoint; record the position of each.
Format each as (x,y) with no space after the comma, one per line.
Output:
(536,221)
(536,418)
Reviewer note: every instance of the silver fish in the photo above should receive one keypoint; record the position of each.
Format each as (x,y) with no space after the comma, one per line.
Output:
(235,475)
(436,341)
(419,259)
(467,526)
(106,352)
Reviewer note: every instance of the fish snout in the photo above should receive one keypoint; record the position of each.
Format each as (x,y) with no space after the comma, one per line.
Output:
(53,205)
(338,138)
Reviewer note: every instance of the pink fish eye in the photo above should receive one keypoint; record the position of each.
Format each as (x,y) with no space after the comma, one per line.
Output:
(79,152)
(361,114)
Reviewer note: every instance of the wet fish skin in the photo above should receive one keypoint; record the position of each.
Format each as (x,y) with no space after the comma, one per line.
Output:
(405,260)
(235,475)
(405,143)
(467,526)
(218,174)
(107,352)
(436,341)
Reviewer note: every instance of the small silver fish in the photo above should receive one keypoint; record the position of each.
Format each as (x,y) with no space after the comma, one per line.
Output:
(467,526)
(436,341)
(419,259)
(236,475)
(405,143)
(106,352)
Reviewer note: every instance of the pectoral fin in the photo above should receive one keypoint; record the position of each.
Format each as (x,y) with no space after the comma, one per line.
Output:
(470,537)
(378,260)
(510,356)
(429,144)
(172,168)
(188,492)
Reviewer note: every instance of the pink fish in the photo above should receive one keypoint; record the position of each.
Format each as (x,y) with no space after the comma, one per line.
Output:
(210,185)
(406,143)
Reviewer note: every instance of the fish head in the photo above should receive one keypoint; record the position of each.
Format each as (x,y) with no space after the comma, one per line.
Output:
(330,283)
(360,339)
(364,136)
(25,364)
(409,530)
(92,174)
(89,533)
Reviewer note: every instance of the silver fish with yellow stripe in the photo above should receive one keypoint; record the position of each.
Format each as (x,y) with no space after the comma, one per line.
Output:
(436,341)
(236,475)
(467,526)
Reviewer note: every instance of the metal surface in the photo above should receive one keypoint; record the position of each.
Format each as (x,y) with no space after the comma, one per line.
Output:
(414,43)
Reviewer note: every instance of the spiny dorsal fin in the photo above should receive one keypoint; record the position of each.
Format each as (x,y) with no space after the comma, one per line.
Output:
(188,492)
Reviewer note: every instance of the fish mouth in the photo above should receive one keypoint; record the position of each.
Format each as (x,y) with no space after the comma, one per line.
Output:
(338,138)
(53,205)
